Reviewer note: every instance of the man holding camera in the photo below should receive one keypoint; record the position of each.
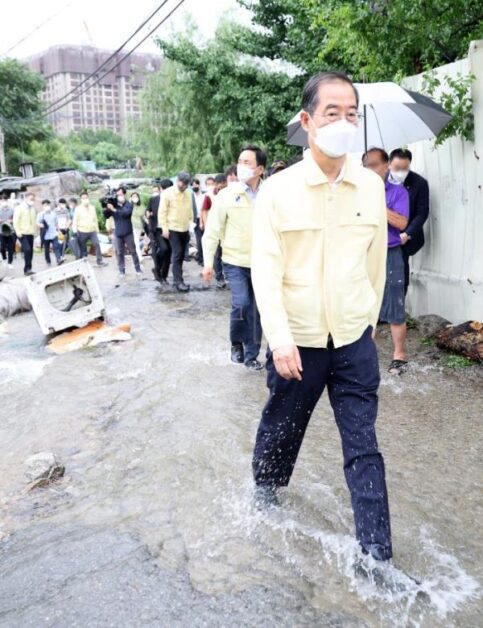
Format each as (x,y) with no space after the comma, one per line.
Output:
(121,211)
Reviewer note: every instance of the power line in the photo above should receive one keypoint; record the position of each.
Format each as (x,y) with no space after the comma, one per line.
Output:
(106,62)
(119,62)
(38,27)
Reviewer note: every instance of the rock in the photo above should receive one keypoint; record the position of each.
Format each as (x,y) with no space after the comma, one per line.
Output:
(429,324)
(466,339)
(43,468)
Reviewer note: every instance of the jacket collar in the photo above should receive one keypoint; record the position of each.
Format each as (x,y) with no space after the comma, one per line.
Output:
(315,176)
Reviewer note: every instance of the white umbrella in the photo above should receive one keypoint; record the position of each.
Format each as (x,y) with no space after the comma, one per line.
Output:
(393,117)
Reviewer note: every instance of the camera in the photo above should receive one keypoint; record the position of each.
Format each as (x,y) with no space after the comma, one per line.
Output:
(110,199)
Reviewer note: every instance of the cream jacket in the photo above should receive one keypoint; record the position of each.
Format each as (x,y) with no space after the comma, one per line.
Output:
(230,221)
(175,210)
(319,254)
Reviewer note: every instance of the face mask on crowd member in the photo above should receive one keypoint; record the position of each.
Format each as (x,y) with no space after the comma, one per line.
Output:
(247,168)
(330,117)
(85,200)
(195,186)
(30,201)
(399,165)
(46,206)
(121,196)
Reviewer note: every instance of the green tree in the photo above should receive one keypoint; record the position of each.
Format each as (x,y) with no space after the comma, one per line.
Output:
(207,102)
(21,109)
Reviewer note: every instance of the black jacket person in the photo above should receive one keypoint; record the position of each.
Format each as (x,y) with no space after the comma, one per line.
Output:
(418,190)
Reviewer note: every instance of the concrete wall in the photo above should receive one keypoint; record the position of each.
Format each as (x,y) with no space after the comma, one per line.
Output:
(447,275)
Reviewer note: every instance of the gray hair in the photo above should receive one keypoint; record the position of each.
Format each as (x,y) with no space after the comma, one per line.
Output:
(310,95)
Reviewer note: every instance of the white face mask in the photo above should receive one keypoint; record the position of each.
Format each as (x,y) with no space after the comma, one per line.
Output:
(85,202)
(244,173)
(336,139)
(398,177)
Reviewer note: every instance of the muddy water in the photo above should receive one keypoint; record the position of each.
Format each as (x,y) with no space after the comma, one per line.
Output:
(153,523)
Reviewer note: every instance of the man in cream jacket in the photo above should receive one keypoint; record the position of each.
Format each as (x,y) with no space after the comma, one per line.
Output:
(318,268)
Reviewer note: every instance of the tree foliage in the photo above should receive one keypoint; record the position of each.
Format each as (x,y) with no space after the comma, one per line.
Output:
(210,99)
(208,102)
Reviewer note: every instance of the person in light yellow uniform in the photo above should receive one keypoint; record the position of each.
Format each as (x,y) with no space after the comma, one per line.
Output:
(174,216)
(25,225)
(231,223)
(318,268)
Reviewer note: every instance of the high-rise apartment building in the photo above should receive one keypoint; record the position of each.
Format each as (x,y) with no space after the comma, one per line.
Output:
(109,104)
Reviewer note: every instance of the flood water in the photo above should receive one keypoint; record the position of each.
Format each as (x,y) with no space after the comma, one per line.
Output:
(153,523)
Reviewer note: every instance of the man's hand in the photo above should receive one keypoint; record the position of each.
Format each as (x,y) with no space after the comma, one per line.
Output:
(404,238)
(111,207)
(207,274)
(287,362)
(166,234)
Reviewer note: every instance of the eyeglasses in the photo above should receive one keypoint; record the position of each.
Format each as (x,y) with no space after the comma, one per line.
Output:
(354,116)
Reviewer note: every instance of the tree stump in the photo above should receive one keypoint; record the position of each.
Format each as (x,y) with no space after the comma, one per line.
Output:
(466,339)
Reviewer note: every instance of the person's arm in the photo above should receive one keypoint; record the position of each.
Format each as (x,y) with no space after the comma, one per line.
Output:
(421,209)
(396,220)
(163,214)
(95,221)
(125,211)
(267,270)
(40,218)
(16,222)
(215,231)
(205,208)
(75,220)
(376,259)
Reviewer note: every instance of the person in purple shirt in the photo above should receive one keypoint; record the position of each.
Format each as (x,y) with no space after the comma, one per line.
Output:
(393,309)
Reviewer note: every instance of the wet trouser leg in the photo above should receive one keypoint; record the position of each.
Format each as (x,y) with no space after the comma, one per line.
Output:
(218,265)
(178,241)
(27,244)
(199,248)
(406,270)
(7,244)
(131,247)
(352,385)
(352,377)
(245,325)
(46,246)
(121,255)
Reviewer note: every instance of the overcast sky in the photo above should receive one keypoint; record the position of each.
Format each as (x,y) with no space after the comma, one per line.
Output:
(103,23)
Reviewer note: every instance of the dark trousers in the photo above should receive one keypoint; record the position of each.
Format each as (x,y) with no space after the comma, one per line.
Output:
(6,246)
(351,374)
(178,241)
(406,269)
(27,244)
(161,254)
(218,265)
(65,242)
(199,236)
(57,249)
(245,327)
(83,238)
(121,243)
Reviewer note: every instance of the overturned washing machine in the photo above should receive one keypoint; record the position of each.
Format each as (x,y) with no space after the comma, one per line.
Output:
(66,296)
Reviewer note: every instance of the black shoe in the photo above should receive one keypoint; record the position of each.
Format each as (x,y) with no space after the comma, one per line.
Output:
(187,259)
(29,272)
(253,365)
(237,353)
(182,287)
(221,284)
(265,496)
(384,575)
(102,264)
